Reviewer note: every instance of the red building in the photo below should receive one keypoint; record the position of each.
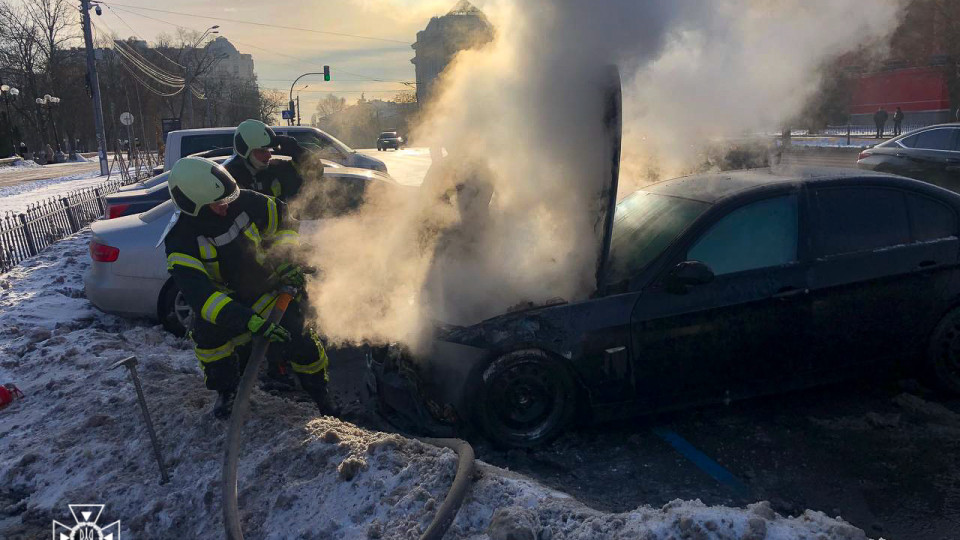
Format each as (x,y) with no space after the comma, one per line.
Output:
(921,93)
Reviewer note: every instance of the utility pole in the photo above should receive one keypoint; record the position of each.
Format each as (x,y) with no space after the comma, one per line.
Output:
(94,85)
(298,109)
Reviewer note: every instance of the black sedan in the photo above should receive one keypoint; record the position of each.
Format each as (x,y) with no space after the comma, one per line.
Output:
(931,154)
(715,287)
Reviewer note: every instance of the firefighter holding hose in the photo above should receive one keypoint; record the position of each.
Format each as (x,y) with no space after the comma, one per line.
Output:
(229,250)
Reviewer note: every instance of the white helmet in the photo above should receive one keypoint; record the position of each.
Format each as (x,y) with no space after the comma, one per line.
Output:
(196,182)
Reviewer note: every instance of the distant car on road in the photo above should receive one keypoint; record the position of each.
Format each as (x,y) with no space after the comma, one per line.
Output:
(718,287)
(129,276)
(187,142)
(931,154)
(389,139)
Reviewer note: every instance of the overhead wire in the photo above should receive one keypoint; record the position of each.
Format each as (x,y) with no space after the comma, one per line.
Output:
(254,23)
(133,74)
(121,19)
(131,55)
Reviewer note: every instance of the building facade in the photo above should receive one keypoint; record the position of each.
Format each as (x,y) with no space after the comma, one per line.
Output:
(463,27)
(232,63)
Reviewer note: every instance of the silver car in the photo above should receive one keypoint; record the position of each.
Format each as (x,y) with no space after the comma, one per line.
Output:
(129,276)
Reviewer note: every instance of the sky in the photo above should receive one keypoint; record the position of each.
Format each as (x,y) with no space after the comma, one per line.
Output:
(375,67)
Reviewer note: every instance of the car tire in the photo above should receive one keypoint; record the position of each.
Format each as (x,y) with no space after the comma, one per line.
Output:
(943,354)
(526,398)
(174,313)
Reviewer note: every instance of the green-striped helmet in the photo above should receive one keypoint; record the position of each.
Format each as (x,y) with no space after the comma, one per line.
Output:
(196,182)
(250,135)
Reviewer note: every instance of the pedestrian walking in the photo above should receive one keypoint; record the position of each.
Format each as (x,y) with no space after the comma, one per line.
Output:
(24,150)
(880,119)
(897,122)
(76,145)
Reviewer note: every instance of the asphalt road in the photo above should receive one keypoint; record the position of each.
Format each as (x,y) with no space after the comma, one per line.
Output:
(820,157)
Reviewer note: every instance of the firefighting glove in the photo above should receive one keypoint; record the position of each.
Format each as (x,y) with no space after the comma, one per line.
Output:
(272,332)
(288,146)
(291,275)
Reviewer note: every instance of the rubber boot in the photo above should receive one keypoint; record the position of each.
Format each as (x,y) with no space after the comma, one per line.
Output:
(321,397)
(224,405)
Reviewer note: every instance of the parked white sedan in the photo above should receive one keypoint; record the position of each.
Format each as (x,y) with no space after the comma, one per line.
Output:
(129,276)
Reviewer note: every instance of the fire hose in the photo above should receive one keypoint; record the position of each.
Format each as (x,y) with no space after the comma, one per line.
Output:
(231,512)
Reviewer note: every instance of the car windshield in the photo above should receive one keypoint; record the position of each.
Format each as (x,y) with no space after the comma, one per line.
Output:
(644,226)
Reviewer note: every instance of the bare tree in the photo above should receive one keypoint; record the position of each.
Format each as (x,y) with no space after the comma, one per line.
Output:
(271,101)
(407,96)
(330,104)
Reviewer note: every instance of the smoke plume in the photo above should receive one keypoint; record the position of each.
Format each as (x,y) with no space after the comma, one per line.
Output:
(510,214)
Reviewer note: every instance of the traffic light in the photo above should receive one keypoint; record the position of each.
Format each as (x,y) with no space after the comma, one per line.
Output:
(326,73)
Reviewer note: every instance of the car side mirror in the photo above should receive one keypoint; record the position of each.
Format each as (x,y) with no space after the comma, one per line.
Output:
(686,275)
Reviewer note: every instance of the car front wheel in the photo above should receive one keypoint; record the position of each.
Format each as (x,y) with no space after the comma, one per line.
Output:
(526,399)
(175,313)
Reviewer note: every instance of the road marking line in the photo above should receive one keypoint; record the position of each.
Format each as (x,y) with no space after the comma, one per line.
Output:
(703,462)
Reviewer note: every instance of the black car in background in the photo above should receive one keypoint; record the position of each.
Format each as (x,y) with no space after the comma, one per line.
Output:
(931,154)
(389,139)
(716,287)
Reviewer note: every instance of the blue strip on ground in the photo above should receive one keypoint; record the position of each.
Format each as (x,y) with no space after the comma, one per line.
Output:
(703,461)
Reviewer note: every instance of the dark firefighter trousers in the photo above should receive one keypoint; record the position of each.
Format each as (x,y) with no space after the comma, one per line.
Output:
(223,354)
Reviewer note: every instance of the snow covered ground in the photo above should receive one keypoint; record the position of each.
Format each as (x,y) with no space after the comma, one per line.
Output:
(78,438)
(17,198)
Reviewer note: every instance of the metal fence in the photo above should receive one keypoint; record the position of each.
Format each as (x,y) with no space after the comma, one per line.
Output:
(45,222)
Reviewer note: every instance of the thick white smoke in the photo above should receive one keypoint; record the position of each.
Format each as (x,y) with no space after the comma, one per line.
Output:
(521,121)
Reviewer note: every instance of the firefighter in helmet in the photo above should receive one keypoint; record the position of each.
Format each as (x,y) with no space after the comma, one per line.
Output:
(252,167)
(229,250)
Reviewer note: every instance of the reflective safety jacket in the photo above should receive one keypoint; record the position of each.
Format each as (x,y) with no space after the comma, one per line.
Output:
(280,179)
(222,264)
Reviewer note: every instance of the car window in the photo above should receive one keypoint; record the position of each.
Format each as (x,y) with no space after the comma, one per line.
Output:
(930,219)
(644,225)
(935,139)
(191,144)
(759,235)
(861,219)
(324,147)
(909,142)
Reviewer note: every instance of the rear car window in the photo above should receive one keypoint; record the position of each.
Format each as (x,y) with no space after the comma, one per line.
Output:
(909,142)
(759,235)
(930,219)
(192,144)
(935,139)
(861,219)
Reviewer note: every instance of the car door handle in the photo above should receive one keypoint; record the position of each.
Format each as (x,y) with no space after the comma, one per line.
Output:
(927,264)
(790,292)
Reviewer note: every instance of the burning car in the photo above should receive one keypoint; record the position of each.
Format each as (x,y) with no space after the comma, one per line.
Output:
(709,288)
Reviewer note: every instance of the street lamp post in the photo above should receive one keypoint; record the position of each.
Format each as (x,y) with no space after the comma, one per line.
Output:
(326,77)
(189,78)
(50,103)
(10,93)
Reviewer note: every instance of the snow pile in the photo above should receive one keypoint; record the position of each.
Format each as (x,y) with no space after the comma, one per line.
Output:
(20,165)
(17,198)
(78,438)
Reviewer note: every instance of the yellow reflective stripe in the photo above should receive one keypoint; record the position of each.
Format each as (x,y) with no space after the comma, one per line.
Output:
(219,353)
(213,306)
(253,233)
(286,237)
(213,269)
(265,303)
(312,368)
(208,251)
(276,188)
(184,260)
(317,366)
(273,220)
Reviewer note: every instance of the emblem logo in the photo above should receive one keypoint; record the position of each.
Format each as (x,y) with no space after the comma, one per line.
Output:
(86,528)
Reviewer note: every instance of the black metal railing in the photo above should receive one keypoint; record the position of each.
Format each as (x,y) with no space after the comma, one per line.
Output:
(26,234)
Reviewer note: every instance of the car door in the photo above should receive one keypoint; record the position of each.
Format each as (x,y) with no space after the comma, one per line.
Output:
(881,257)
(731,336)
(933,157)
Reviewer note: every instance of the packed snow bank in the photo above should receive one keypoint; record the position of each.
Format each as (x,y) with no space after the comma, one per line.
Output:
(18,197)
(78,438)
(19,165)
